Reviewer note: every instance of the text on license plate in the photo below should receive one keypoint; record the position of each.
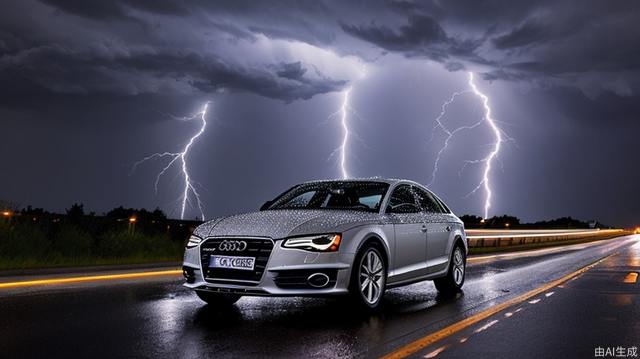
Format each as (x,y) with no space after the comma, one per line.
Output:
(243,263)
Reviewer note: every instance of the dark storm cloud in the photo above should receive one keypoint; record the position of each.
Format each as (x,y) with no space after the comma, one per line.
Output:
(542,41)
(529,33)
(534,41)
(145,63)
(285,81)
(105,10)
(64,70)
(421,36)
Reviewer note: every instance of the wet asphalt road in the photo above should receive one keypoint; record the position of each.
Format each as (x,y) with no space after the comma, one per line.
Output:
(158,318)
(597,310)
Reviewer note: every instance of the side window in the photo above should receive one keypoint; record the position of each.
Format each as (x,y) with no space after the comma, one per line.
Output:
(402,200)
(444,206)
(427,201)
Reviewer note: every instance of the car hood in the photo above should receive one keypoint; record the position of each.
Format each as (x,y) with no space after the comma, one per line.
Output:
(283,223)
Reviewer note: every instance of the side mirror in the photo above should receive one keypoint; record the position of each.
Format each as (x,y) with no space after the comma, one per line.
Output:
(266,205)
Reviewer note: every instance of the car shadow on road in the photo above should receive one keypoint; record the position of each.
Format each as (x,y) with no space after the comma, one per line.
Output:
(322,313)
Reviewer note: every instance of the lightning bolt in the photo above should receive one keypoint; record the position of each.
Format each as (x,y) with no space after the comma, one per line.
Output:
(343,150)
(488,161)
(180,158)
(344,121)
(499,134)
(450,133)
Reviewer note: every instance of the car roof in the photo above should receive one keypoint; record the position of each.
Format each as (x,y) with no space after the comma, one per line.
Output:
(391,181)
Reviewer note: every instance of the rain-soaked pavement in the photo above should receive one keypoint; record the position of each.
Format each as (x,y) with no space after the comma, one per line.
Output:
(156,317)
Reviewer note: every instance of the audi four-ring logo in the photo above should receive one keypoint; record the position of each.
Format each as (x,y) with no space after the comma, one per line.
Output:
(238,246)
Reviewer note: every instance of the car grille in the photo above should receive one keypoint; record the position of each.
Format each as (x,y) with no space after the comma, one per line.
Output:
(260,248)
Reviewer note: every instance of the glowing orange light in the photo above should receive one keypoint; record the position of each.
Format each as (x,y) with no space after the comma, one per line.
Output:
(482,220)
(506,224)
(336,243)
(132,220)
(6,213)
(632,277)
(89,278)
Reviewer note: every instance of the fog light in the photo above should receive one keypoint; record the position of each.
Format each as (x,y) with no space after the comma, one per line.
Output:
(318,280)
(189,274)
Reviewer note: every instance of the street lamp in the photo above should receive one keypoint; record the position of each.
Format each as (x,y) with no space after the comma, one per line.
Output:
(132,224)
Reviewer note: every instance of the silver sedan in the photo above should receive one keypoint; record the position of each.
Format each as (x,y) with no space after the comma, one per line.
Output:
(355,237)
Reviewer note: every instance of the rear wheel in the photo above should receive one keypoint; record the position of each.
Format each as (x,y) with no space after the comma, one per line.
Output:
(218,299)
(368,278)
(453,281)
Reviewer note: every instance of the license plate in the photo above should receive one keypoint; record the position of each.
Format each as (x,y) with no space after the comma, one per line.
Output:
(242,263)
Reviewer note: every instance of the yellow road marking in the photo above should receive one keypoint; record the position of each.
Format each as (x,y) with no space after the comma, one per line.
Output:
(92,278)
(429,339)
(632,277)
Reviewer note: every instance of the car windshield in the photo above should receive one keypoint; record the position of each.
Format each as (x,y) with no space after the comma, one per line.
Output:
(351,195)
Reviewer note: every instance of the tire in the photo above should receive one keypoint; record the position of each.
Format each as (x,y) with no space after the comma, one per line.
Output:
(368,278)
(453,281)
(218,299)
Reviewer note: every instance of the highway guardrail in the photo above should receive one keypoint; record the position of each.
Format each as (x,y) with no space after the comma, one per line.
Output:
(504,238)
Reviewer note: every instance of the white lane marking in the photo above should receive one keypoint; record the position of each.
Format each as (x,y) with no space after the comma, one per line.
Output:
(534,301)
(486,326)
(549,294)
(508,314)
(435,353)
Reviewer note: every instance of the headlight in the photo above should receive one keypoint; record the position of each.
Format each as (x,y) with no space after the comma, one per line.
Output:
(193,241)
(315,243)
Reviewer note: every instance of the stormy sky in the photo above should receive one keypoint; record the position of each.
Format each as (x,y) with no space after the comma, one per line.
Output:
(90,87)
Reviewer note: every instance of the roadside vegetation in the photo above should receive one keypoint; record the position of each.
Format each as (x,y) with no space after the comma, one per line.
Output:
(511,222)
(34,238)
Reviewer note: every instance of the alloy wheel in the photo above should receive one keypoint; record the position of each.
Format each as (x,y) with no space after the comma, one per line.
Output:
(458,266)
(371,276)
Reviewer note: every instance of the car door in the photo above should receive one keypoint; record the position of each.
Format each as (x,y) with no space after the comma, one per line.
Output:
(410,253)
(438,230)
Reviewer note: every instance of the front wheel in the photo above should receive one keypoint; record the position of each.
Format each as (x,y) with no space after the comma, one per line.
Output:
(453,281)
(368,278)
(218,299)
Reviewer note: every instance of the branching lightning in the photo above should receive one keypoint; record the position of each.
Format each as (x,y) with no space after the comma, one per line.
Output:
(180,158)
(450,133)
(485,182)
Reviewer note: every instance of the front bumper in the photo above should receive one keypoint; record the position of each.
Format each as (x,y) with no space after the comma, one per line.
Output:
(285,271)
